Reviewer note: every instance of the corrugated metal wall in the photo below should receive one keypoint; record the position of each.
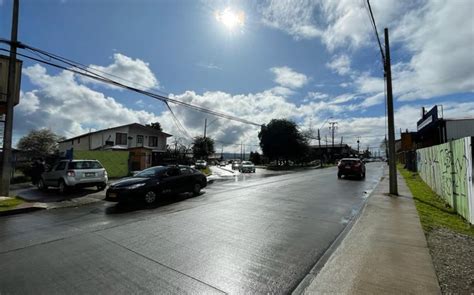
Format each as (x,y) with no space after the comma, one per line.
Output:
(447,169)
(459,128)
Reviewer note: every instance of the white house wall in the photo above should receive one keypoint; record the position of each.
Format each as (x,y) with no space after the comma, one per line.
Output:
(98,139)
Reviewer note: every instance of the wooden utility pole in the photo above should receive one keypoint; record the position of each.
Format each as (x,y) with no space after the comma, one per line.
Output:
(391,123)
(320,151)
(8,127)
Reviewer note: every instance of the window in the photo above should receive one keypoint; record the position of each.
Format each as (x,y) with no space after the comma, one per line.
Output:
(60,166)
(153,141)
(140,139)
(85,165)
(186,171)
(121,138)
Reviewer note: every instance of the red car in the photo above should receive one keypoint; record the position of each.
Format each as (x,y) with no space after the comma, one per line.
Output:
(351,167)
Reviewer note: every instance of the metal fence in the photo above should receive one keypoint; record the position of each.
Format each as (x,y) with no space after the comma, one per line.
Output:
(447,169)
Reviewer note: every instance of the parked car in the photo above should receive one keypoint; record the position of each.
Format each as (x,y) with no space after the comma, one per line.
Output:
(247,166)
(152,183)
(74,173)
(200,164)
(235,164)
(222,163)
(351,167)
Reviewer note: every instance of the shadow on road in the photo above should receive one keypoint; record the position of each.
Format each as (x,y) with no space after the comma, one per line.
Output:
(131,206)
(52,195)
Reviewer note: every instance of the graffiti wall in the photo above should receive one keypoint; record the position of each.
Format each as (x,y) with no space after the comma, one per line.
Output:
(447,169)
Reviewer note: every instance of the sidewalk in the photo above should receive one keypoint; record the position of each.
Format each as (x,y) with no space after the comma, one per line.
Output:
(385,252)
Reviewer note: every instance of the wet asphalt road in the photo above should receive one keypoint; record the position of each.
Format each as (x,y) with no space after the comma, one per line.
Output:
(260,235)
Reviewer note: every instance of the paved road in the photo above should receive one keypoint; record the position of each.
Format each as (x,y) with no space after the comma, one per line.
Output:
(256,236)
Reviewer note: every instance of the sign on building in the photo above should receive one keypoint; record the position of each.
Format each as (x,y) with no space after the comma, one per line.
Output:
(4,62)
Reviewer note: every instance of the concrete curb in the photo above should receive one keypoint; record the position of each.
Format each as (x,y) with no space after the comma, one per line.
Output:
(16,211)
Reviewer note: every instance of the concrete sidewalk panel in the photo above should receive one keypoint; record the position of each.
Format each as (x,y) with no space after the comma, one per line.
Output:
(384,252)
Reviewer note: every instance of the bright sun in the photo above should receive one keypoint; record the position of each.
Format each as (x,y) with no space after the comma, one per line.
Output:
(230,19)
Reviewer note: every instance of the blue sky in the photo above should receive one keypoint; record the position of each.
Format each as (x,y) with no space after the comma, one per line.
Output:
(302,60)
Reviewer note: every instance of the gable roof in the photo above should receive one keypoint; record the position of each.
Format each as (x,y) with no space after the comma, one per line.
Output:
(116,127)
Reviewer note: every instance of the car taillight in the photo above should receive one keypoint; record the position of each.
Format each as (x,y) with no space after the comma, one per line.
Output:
(71,173)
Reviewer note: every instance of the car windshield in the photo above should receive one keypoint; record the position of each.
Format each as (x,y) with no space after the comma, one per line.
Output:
(153,171)
(84,165)
(247,163)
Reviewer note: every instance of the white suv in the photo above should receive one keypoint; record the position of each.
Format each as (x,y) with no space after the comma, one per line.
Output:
(74,173)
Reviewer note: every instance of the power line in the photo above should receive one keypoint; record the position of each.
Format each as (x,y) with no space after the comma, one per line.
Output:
(87,73)
(374,26)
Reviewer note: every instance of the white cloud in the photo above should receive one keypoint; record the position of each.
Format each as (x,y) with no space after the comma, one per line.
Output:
(317,95)
(287,77)
(293,16)
(29,103)
(208,65)
(133,72)
(340,64)
(69,108)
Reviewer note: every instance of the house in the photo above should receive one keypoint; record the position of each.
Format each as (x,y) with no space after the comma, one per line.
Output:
(434,129)
(329,152)
(146,145)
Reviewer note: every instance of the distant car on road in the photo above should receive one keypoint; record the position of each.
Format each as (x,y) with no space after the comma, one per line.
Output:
(222,163)
(200,164)
(152,183)
(235,164)
(247,166)
(351,167)
(74,173)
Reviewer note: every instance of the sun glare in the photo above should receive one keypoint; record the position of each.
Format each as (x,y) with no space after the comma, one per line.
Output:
(230,18)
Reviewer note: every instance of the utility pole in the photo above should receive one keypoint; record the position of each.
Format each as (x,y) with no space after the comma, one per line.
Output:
(8,127)
(241,147)
(332,128)
(205,127)
(358,143)
(391,123)
(320,151)
(342,137)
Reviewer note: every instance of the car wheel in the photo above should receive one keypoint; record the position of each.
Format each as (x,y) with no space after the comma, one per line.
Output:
(363,175)
(196,189)
(62,186)
(150,197)
(101,187)
(41,185)
(339,175)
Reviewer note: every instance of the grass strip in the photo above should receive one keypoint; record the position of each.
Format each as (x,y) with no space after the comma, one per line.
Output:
(434,212)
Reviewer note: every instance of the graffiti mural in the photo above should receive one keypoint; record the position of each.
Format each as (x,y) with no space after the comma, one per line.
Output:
(447,169)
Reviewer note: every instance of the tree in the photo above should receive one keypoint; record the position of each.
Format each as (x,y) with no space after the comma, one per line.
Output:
(155,125)
(281,140)
(203,147)
(255,158)
(40,143)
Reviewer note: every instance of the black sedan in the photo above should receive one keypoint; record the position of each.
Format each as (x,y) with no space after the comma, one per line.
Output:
(149,184)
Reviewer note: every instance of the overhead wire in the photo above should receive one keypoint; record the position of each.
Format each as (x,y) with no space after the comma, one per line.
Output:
(85,72)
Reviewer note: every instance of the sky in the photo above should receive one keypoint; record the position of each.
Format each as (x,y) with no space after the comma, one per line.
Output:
(309,61)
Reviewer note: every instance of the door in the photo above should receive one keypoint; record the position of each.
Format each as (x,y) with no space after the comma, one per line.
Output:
(52,177)
(172,181)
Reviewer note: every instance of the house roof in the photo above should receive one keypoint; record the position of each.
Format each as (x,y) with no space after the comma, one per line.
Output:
(336,145)
(116,127)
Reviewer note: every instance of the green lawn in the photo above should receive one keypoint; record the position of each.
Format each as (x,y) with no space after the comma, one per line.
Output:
(9,204)
(206,171)
(433,211)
